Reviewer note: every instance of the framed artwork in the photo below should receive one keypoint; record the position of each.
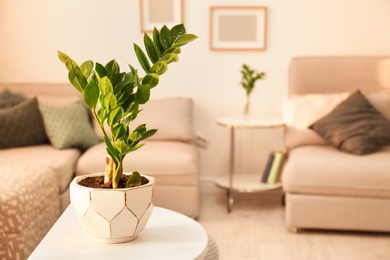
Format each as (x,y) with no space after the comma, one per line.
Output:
(238,28)
(156,13)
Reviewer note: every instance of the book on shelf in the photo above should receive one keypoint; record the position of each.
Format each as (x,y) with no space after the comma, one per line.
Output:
(267,168)
(276,168)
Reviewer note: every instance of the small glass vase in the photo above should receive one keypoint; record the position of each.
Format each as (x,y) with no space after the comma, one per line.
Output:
(247,106)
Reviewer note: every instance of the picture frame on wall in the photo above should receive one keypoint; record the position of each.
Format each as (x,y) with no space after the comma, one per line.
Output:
(238,28)
(157,13)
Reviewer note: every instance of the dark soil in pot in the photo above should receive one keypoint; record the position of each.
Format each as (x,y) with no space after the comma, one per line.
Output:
(98,182)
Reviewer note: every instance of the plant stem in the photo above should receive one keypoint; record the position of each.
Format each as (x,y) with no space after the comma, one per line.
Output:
(117,175)
(109,170)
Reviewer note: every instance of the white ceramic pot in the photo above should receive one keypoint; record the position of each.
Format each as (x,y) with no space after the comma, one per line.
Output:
(112,215)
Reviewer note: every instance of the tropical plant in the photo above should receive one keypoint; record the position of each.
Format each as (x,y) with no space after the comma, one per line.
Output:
(115,97)
(248,80)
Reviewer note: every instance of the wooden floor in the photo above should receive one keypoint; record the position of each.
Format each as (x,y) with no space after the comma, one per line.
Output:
(256,230)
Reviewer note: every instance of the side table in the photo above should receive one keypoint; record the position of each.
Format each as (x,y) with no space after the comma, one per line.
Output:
(168,235)
(246,182)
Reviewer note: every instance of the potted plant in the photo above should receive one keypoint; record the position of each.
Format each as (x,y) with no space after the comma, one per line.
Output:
(248,80)
(117,206)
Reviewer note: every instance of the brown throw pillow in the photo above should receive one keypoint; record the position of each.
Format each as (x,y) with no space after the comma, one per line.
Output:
(354,126)
(21,125)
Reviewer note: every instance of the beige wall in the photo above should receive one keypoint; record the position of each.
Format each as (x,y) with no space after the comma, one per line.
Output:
(31,31)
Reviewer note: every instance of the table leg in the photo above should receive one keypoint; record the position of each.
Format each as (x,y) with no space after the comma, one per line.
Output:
(231,172)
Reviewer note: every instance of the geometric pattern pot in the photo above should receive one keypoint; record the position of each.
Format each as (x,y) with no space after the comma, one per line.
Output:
(112,215)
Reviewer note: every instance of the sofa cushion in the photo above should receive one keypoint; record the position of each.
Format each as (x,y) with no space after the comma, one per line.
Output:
(171,116)
(172,163)
(62,162)
(9,98)
(354,126)
(299,111)
(68,126)
(21,125)
(322,169)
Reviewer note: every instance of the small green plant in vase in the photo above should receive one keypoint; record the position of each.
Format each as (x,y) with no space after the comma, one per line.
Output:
(248,80)
(115,98)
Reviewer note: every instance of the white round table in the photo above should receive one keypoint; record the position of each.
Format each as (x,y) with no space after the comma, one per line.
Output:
(168,235)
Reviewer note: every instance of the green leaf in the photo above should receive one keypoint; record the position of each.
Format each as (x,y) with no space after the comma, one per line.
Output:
(176,32)
(133,112)
(75,75)
(133,148)
(124,99)
(91,94)
(105,85)
(148,134)
(170,57)
(164,38)
(120,146)
(119,131)
(86,68)
(184,39)
(134,180)
(150,49)
(135,136)
(115,115)
(109,101)
(151,79)
(157,43)
(135,75)
(141,128)
(100,70)
(142,59)
(77,79)
(113,70)
(125,94)
(69,63)
(102,115)
(112,151)
(159,67)
(175,50)
(143,93)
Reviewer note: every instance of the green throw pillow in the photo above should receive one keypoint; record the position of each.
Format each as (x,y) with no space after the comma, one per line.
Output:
(68,126)
(21,125)
(354,126)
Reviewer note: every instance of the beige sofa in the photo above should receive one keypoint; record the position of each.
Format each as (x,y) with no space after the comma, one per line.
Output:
(325,187)
(170,156)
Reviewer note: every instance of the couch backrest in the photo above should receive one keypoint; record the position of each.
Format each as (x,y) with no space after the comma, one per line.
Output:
(173,116)
(326,74)
(42,89)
